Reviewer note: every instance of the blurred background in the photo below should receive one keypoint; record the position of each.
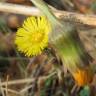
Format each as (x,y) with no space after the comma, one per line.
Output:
(14,65)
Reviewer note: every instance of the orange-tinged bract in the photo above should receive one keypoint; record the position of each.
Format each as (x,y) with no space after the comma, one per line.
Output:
(73,54)
(83,76)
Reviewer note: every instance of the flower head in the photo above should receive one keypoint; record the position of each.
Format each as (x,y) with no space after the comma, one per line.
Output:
(32,37)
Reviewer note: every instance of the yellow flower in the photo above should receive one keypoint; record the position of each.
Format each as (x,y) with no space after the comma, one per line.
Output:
(32,37)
